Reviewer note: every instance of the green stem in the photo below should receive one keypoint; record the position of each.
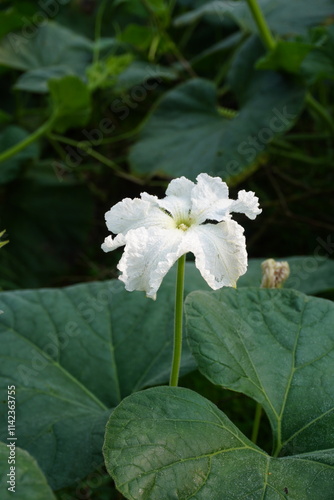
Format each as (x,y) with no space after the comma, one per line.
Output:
(320,110)
(262,25)
(153,48)
(178,319)
(121,137)
(256,423)
(42,130)
(84,146)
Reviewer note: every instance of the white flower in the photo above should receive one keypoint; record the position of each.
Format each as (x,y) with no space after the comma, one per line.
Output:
(191,218)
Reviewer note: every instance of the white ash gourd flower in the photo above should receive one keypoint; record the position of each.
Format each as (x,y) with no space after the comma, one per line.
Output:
(191,218)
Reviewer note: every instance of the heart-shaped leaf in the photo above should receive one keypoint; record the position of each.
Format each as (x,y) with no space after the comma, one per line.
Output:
(73,354)
(70,101)
(21,476)
(277,347)
(187,125)
(45,52)
(171,443)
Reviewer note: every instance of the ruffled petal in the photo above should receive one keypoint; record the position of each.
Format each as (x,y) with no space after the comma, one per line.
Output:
(130,214)
(247,203)
(178,198)
(110,243)
(181,187)
(148,256)
(209,199)
(220,252)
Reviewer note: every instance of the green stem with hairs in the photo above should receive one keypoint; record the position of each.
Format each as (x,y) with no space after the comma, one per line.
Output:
(227,112)
(262,25)
(178,320)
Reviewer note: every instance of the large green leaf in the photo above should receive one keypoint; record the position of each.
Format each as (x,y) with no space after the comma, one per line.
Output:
(309,274)
(11,168)
(187,135)
(171,443)
(45,52)
(73,354)
(283,16)
(27,478)
(277,347)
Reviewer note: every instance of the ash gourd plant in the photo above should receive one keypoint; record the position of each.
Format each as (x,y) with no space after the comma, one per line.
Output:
(190,218)
(169,443)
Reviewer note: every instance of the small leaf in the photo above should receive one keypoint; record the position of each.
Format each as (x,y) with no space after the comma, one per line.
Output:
(138,36)
(160,8)
(71,102)
(287,56)
(103,73)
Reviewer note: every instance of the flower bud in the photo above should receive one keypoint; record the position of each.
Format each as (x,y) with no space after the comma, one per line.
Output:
(274,274)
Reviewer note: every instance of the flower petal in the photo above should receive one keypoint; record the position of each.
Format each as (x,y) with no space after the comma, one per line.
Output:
(247,203)
(148,256)
(209,199)
(130,214)
(178,198)
(110,244)
(220,252)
